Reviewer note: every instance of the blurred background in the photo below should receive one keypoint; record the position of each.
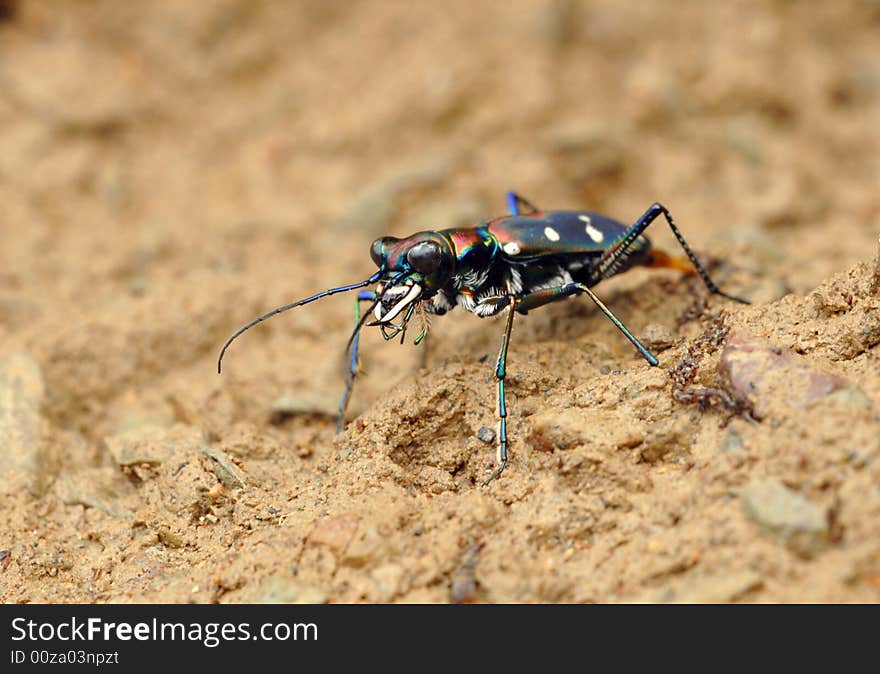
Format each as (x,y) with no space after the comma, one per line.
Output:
(170,170)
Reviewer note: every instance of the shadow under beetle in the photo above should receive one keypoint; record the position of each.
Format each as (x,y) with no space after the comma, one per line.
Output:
(517,262)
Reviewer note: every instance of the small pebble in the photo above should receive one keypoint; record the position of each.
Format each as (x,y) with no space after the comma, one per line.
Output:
(657,337)
(170,539)
(318,403)
(768,377)
(786,516)
(486,434)
(23,458)
(224,468)
(283,588)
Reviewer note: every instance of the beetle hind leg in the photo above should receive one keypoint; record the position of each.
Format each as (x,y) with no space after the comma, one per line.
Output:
(517,203)
(546,295)
(610,261)
(524,303)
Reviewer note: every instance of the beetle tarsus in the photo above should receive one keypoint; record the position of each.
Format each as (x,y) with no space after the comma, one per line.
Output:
(496,474)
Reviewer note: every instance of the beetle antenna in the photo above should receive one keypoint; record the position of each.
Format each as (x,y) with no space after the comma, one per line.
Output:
(332,291)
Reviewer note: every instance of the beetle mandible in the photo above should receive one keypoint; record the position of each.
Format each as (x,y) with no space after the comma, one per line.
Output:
(517,262)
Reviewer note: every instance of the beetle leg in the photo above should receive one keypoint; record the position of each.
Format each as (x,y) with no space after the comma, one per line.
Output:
(351,371)
(613,256)
(547,295)
(647,355)
(500,376)
(515,201)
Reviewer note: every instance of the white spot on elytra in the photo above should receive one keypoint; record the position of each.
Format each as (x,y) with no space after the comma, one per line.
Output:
(551,234)
(595,234)
(512,248)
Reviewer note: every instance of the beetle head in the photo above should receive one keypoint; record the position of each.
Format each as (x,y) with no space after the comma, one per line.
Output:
(420,264)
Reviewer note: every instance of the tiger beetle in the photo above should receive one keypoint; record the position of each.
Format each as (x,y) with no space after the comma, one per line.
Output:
(517,262)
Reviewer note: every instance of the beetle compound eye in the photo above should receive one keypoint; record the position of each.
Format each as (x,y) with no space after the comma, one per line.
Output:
(377,253)
(377,250)
(425,257)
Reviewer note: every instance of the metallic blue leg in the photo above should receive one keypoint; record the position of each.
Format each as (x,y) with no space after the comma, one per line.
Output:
(351,372)
(500,375)
(512,205)
(515,202)
(647,355)
(607,264)
(547,295)
(523,304)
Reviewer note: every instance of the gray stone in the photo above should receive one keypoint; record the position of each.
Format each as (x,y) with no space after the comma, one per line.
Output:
(732,442)
(852,396)
(486,434)
(23,458)
(752,369)
(786,516)
(226,471)
(320,403)
(283,588)
(657,337)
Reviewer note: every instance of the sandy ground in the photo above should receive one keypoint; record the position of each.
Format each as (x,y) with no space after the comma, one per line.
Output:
(169,171)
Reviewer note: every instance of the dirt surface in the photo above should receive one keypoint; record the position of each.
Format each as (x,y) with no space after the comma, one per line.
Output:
(169,171)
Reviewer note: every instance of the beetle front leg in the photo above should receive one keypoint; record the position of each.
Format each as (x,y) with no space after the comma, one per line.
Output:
(351,372)
(500,376)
